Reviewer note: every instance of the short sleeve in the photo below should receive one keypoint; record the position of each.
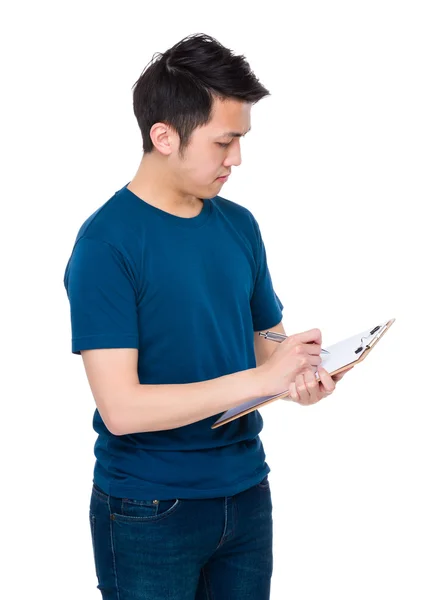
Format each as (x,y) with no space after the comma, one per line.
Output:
(266,306)
(101,291)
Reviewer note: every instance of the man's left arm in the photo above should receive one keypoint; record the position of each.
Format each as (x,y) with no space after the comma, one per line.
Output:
(306,389)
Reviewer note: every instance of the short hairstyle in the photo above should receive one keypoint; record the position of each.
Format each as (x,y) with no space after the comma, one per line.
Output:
(179,86)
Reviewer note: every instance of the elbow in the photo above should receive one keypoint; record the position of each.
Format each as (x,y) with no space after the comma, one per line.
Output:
(121,426)
(118,428)
(118,423)
(114,429)
(113,409)
(111,415)
(112,423)
(119,415)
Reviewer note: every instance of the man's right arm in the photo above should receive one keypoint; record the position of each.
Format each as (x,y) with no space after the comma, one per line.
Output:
(127,406)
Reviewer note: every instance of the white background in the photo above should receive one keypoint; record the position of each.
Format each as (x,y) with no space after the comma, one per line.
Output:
(337,170)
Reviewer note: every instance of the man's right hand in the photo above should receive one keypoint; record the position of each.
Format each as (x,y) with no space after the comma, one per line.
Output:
(297,354)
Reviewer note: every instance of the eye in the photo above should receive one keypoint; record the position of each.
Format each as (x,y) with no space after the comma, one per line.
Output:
(223,145)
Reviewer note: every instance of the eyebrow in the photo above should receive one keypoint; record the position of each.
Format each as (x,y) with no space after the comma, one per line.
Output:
(234,133)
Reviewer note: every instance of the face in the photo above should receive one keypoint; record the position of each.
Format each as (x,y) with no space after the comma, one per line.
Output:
(213,150)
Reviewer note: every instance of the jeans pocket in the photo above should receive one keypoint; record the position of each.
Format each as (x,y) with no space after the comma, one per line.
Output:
(145,510)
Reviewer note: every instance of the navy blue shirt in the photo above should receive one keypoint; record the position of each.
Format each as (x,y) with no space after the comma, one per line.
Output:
(188,293)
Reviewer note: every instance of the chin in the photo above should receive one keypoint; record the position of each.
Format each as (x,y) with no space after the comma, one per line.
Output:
(208,193)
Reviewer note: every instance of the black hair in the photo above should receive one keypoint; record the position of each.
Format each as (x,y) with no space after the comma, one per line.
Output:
(179,86)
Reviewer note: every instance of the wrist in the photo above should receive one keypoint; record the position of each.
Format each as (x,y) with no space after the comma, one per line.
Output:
(260,380)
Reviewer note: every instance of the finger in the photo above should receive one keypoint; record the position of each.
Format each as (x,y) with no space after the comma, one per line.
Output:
(312,363)
(306,388)
(314,349)
(315,361)
(312,387)
(302,391)
(293,392)
(339,376)
(312,335)
(327,381)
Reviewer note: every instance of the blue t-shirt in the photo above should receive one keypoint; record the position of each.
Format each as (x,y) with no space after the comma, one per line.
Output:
(188,293)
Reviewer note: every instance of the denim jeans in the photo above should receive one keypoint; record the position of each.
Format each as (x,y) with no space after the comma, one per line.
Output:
(181,549)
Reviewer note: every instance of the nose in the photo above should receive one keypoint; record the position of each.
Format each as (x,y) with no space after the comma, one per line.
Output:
(234,155)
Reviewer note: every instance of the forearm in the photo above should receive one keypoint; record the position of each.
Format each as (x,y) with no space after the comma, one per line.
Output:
(162,407)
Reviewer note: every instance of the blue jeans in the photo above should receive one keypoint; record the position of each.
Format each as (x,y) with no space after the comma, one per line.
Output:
(210,549)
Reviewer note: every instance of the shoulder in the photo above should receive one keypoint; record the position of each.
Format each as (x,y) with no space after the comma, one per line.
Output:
(112,223)
(237,213)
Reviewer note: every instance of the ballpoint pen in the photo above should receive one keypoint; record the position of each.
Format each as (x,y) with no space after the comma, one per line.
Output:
(280,337)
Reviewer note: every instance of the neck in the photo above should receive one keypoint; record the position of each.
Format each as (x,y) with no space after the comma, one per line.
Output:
(154,184)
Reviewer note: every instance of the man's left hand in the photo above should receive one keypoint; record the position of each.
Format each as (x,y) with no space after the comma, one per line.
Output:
(307,390)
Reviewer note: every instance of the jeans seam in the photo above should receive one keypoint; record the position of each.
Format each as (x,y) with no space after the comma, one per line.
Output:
(229,536)
(92,529)
(225,524)
(113,554)
(235,516)
(207,585)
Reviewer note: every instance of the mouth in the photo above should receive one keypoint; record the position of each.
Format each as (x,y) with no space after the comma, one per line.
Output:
(223,178)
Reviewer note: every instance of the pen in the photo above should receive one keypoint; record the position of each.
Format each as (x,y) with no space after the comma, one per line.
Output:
(280,337)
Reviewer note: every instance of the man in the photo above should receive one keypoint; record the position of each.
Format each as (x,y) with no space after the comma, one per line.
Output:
(169,288)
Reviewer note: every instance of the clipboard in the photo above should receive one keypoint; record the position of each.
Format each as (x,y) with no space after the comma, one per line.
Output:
(342,356)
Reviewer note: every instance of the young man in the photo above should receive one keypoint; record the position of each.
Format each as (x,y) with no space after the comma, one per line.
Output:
(169,286)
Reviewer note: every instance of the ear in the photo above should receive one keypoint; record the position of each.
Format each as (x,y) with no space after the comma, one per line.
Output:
(164,139)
